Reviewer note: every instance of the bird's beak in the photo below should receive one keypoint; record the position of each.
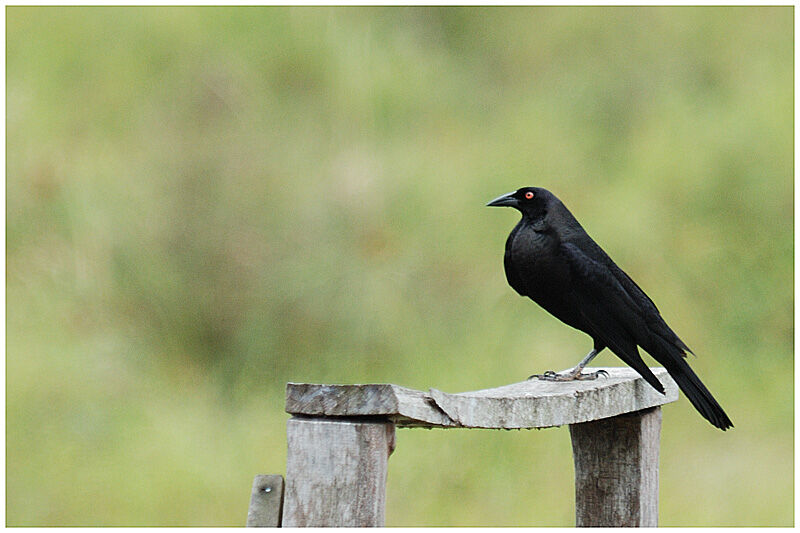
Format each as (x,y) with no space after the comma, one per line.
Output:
(507,200)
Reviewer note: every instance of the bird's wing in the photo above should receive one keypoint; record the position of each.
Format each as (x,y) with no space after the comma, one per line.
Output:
(613,315)
(656,324)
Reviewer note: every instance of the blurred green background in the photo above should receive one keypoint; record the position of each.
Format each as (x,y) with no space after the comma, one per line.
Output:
(205,203)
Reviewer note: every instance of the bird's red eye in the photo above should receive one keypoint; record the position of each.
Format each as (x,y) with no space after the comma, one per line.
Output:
(528,195)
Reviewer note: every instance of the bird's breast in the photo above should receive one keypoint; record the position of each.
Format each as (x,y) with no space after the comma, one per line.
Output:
(533,265)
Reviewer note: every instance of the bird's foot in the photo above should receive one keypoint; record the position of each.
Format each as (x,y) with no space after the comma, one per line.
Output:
(573,375)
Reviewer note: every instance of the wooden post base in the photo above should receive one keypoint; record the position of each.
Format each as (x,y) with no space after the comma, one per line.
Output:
(616,470)
(336,472)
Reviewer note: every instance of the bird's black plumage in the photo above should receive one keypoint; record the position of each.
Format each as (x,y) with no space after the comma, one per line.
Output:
(552,260)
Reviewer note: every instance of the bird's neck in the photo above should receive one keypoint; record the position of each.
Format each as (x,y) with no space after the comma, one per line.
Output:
(535,222)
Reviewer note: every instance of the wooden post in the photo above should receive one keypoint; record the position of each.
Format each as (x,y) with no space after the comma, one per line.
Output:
(336,472)
(266,500)
(616,470)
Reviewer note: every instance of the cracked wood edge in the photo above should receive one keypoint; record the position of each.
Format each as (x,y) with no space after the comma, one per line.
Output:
(406,407)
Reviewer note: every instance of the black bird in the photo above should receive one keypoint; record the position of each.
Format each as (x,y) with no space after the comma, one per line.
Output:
(553,261)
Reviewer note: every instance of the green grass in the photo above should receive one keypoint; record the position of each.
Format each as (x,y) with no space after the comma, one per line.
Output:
(206,203)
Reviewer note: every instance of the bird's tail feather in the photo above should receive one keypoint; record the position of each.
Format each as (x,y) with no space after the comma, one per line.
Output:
(641,367)
(698,394)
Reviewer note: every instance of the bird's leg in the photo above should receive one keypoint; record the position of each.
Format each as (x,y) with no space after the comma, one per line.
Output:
(575,373)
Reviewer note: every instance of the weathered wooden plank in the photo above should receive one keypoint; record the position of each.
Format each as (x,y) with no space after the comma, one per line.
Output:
(539,404)
(266,501)
(404,406)
(529,404)
(336,472)
(616,470)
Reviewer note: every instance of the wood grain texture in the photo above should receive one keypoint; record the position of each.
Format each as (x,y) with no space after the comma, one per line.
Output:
(529,404)
(616,470)
(404,406)
(266,501)
(336,472)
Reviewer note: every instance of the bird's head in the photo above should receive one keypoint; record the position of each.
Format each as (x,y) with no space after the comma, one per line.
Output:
(531,201)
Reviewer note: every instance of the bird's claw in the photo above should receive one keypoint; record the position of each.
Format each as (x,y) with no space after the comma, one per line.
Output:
(549,375)
(591,375)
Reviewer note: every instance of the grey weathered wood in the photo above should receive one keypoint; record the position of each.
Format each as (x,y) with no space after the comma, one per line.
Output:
(616,470)
(341,437)
(266,501)
(529,404)
(407,407)
(336,472)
